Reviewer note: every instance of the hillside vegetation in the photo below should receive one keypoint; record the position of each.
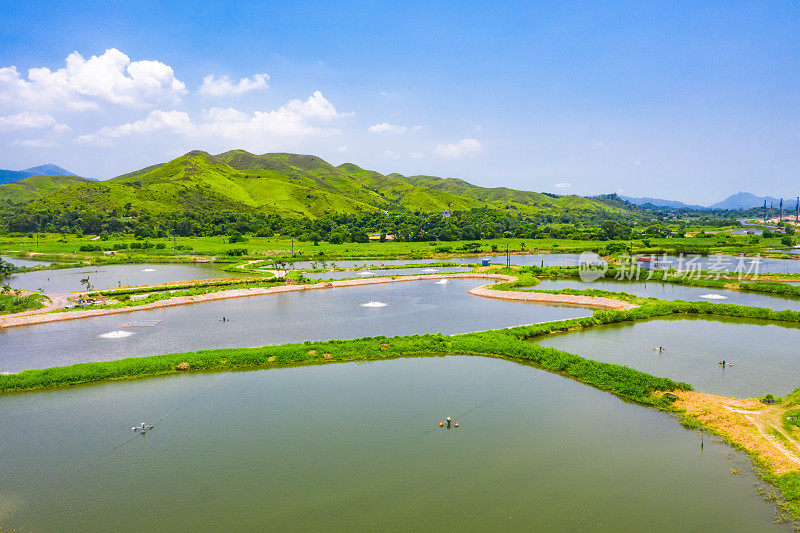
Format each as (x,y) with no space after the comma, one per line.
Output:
(291,185)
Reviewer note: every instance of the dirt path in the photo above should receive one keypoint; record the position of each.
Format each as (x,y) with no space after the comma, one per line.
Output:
(749,423)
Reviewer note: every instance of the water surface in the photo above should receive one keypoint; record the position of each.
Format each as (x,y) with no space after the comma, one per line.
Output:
(412,307)
(356,447)
(113,276)
(23,262)
(672,291)
(347,274)
(765,357)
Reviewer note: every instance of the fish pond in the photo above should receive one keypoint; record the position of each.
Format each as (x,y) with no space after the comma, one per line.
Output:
(347,274)
(674,291)
(112,276)
(357,447)
(765,356)
(401,308)
(23,262)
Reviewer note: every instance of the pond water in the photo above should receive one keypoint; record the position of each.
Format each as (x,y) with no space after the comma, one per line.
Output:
(412,307)
(346,274)
(351,447)
(765,357)
(16,261)
(112,276)
(672,291)
(516,259)
(728,263)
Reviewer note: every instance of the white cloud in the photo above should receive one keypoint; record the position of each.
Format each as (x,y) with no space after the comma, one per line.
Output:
(26,120)
(415,155)
(296,118)
(385,127)
(32,143)
(391,155)
(175,121)
(110,77)
(342,148)
(565,185)
(224,86)
(459,149)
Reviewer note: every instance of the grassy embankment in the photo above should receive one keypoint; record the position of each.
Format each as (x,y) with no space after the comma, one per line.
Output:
(12,303)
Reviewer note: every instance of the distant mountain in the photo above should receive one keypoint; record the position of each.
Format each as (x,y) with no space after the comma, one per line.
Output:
(49,170)
(746,200)
(658,202)
(13,176)
(291,185)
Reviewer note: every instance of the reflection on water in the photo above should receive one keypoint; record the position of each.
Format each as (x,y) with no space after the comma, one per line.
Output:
(413,307)
(356,447)
(764,356)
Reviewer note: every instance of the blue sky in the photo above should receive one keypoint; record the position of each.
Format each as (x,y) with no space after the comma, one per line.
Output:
(686,101)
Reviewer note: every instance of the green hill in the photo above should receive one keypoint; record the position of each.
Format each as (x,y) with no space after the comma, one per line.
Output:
(285,184)
(34,187)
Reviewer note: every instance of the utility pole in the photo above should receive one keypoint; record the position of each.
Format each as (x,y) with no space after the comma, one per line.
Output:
(508,258)
(765,209)
(780,219)
(797,210)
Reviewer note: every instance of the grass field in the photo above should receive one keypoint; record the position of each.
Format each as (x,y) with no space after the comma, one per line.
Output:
(66,248)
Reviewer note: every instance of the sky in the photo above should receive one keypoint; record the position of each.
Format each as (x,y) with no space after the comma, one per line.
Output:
(690,101)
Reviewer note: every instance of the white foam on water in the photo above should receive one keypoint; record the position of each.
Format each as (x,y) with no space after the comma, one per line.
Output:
(374,304)
(115,335)
(148,270)
(442,282)
(714,296)
(429,270)
(366,273)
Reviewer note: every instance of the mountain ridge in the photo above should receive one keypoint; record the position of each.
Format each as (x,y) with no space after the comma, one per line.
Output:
(287,184)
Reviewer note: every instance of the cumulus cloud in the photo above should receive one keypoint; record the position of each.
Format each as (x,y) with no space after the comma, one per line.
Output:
(415,155)
(385,127)
(391,155)
(224,86)
(565,185)
(296,118)
(459,149)
(83,83)
(175,121)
